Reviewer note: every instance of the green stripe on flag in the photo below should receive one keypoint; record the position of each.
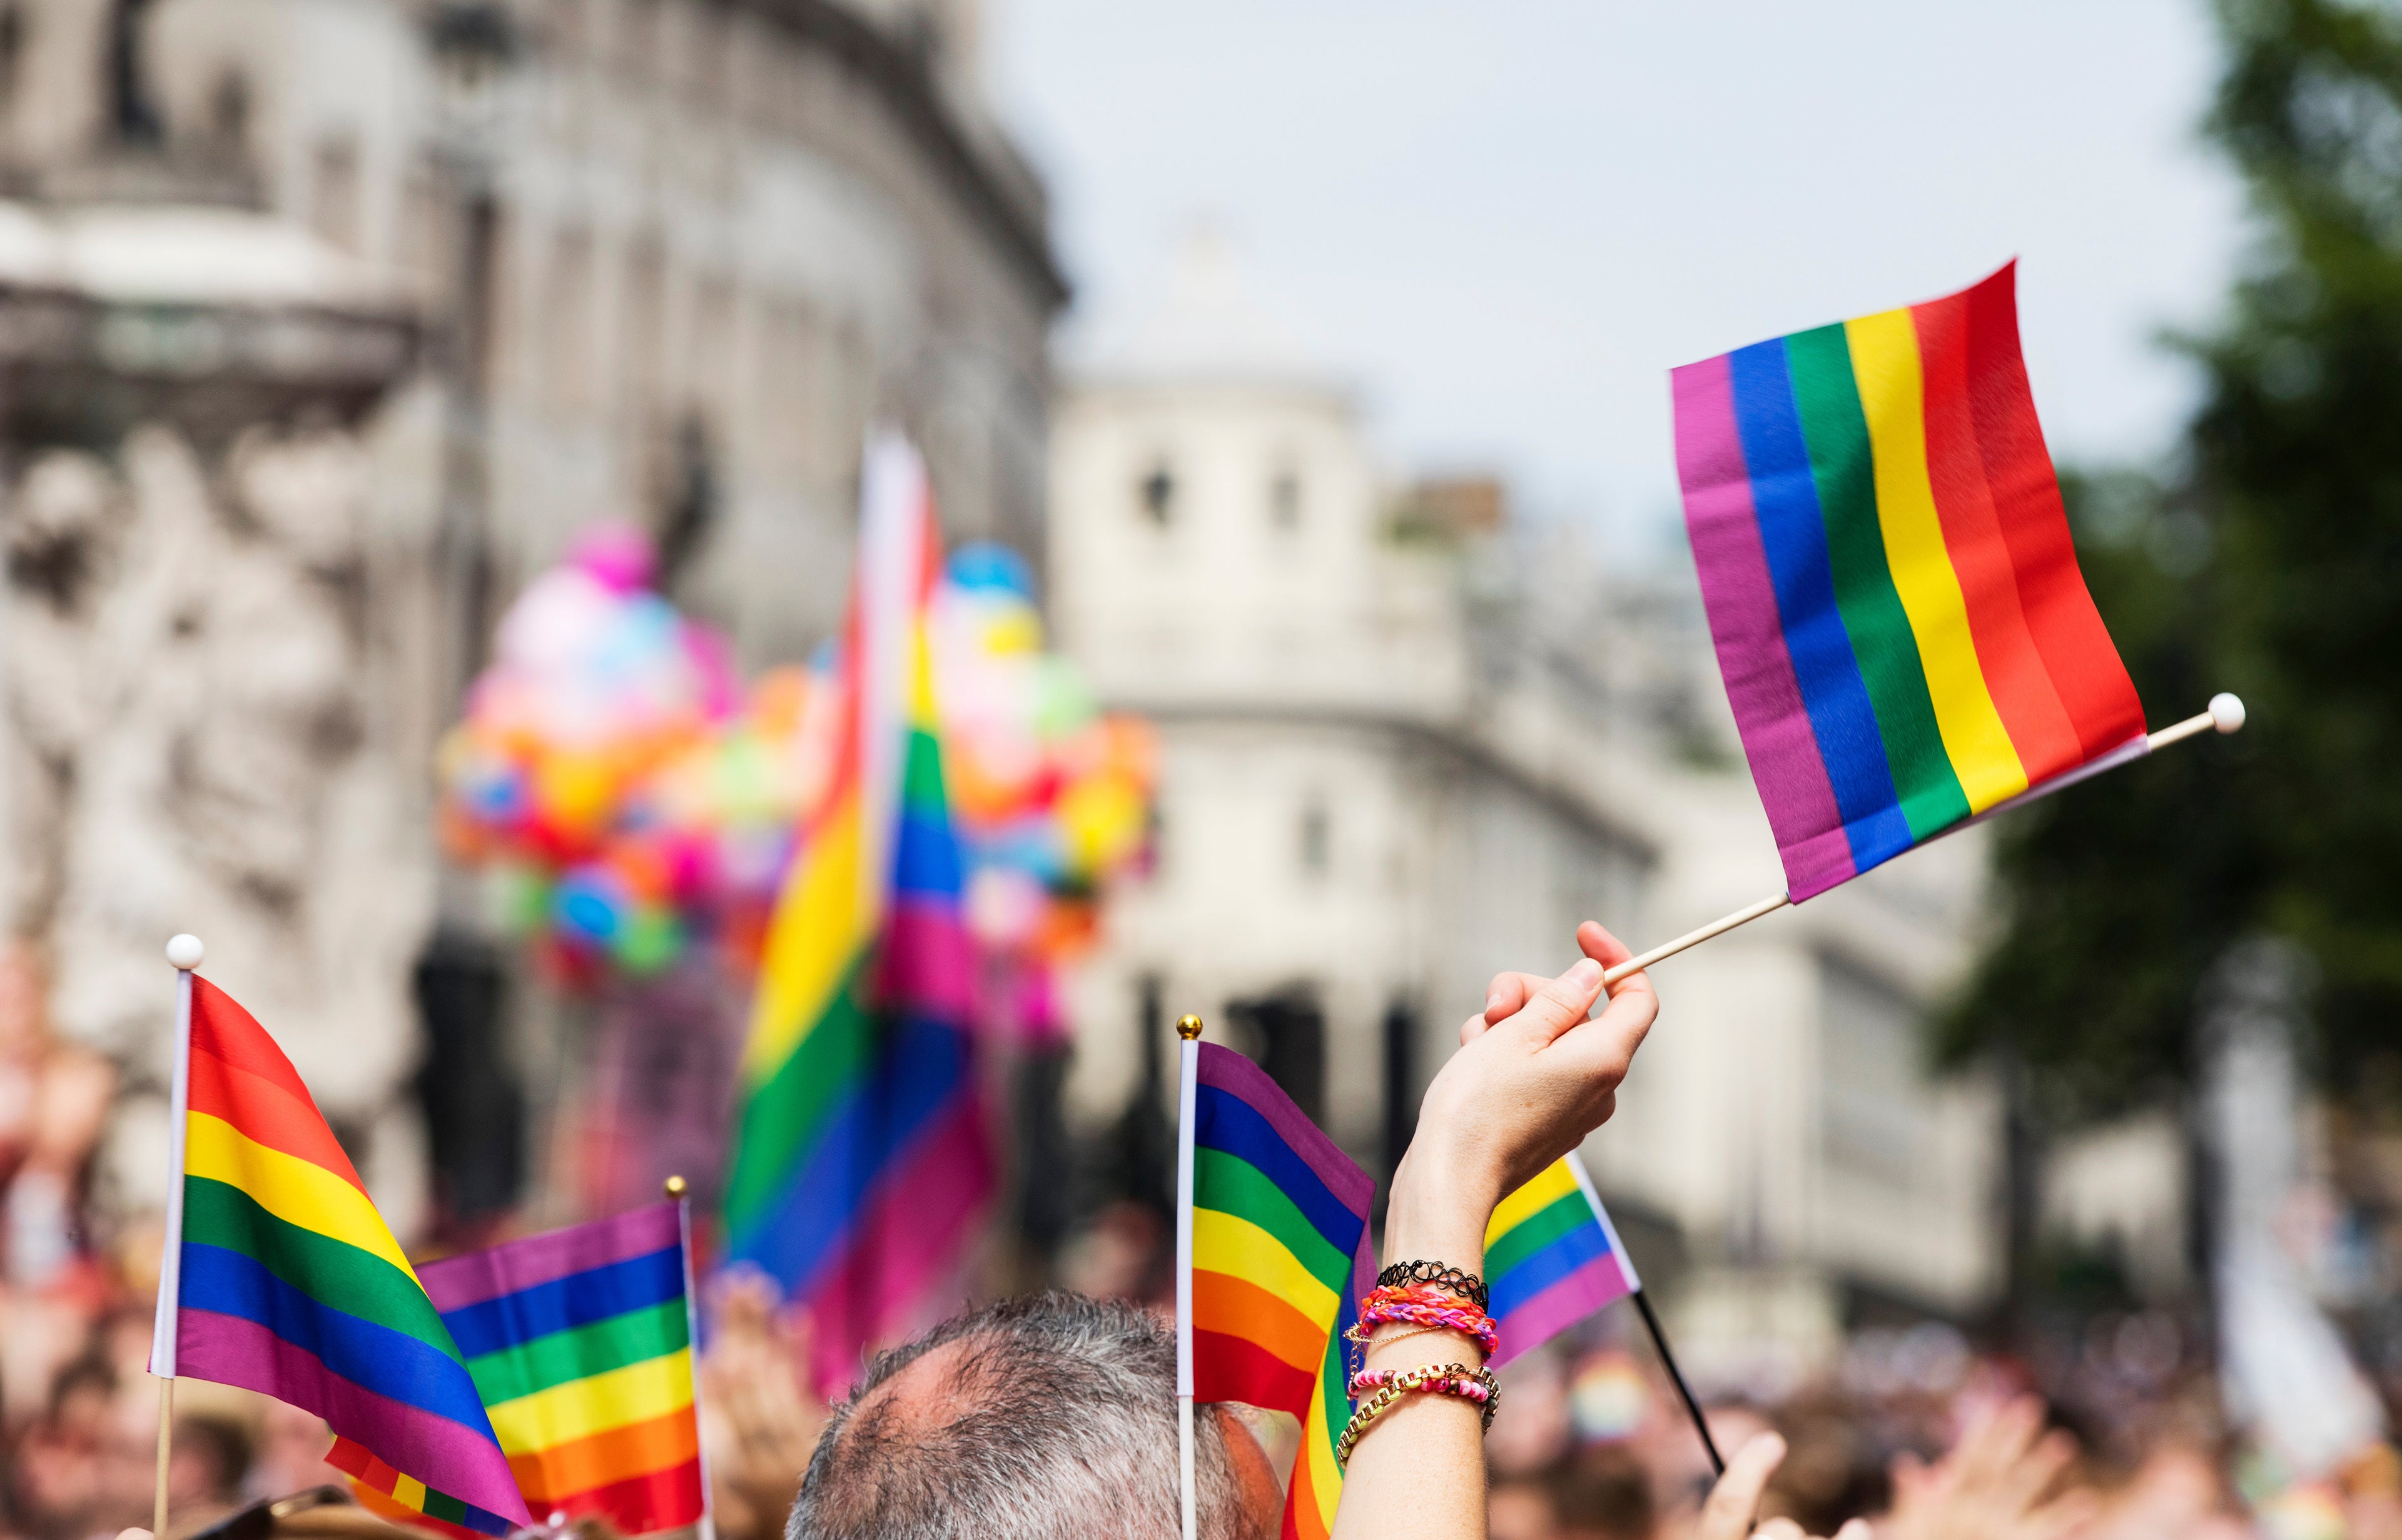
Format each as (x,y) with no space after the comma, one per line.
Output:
(782,1119)
(1232,1185)
(1538,1229)
(334,1273)
(579,1352)
(1828,398)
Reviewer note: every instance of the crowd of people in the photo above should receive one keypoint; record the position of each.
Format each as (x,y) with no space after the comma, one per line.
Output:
(2112,1432)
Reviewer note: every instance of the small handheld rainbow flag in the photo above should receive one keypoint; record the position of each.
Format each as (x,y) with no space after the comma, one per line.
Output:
(860,1161)
(1551,1257)
(1905,635)
(1272,1254)
(580,1342)
(281,1277)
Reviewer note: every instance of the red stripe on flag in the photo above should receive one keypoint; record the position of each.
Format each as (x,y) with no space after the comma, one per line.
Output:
(662,1500)
(2077,649)
(2030,707)
(264,1112)
(1231,1369)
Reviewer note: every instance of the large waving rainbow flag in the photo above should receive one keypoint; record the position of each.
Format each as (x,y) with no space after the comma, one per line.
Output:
(581,1346)
(1280,1263)
(283,1278)
(860,1161)
(1905,635)
(1551,1257)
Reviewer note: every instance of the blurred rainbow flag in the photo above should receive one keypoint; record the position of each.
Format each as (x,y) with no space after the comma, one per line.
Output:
(580,1343)
(860,1161)
(1905,636)
(1551,1257)
(1278,1262)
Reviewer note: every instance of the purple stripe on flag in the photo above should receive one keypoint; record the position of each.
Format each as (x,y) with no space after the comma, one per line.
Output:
(905,1236)
(458,1282)
(928,962)
(1740,602)
(1598,1282)
(1236,1076)
(434,1450)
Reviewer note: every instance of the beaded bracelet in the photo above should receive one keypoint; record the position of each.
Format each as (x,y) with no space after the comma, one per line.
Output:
(1450,1280)
(1476,1385)
(1433,1379)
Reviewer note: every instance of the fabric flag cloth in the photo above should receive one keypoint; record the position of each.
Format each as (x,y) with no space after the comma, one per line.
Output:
(1904,632)
(860,1161)
(1280,1262)
(288,1282)
(580,1343)
(1551,1257)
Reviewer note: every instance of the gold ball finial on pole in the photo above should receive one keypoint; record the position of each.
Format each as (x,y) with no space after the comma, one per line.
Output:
(1188,1028)
(675,1187)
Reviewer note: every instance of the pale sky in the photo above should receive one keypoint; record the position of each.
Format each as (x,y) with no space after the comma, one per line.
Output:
(1506,220)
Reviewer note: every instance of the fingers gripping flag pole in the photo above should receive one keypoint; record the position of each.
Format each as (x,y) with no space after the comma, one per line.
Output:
(1188,1063)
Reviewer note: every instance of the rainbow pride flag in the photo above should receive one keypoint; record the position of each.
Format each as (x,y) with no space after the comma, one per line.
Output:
(1551,1257)
(580,1343)
(282,1278)
(1905,635)
(1279,1262)
(860,1161)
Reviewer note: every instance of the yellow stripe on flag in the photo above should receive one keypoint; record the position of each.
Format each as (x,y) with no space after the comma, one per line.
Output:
(821,925)
(409,1492)
(1318,1448)
(582,1407)
(1224,1243)
(1885,365)
(297,1191)
(1553,1183)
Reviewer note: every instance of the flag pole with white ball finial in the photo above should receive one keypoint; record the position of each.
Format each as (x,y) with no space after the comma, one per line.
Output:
(184,952)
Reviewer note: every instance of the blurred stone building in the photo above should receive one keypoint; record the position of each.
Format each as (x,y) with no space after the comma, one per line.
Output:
(1406,746)
(506,268)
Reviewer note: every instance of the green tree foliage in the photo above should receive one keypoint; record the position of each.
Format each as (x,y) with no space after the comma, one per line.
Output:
(2273,567)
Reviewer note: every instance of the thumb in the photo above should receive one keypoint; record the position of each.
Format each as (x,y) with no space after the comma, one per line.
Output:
(1727,1514)
(1562,1002)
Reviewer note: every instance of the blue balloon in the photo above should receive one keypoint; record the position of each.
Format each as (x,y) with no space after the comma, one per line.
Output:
(985,565)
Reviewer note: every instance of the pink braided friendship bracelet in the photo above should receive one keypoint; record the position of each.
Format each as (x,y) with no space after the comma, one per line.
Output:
(1428,1307)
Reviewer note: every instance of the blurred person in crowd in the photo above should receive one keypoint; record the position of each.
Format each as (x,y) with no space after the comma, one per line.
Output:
(1523,1507)
(759,1420)
(72,1472)
(1605,1493)
(205,1474)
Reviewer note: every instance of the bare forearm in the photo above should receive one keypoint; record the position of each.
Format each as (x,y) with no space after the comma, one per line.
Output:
(1419,1474)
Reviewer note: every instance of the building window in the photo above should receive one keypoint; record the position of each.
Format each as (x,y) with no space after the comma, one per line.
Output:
(1156,492)
(12,54)
(1316,839)
(335,207)
(1284,499)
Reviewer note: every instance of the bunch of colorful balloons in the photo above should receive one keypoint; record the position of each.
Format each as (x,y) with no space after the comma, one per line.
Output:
(628,801)
(1052,798)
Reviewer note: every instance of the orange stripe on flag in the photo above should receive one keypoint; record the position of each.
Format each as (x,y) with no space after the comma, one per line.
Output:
(617,1454)
(266,1113)
(1237,1307)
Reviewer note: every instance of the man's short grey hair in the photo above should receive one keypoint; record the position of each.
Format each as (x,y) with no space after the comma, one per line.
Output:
(1054,1416)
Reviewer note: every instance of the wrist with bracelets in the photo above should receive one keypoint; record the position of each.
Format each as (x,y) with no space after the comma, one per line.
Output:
(1390,1385)
(1431,1297)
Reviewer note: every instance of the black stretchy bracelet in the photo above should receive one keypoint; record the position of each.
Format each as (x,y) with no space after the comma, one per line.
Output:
(1450,1280)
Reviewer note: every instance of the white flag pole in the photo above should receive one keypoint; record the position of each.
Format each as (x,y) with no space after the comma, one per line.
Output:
(1188,1066)
(2226,714)
(679,1193)
(184,952)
